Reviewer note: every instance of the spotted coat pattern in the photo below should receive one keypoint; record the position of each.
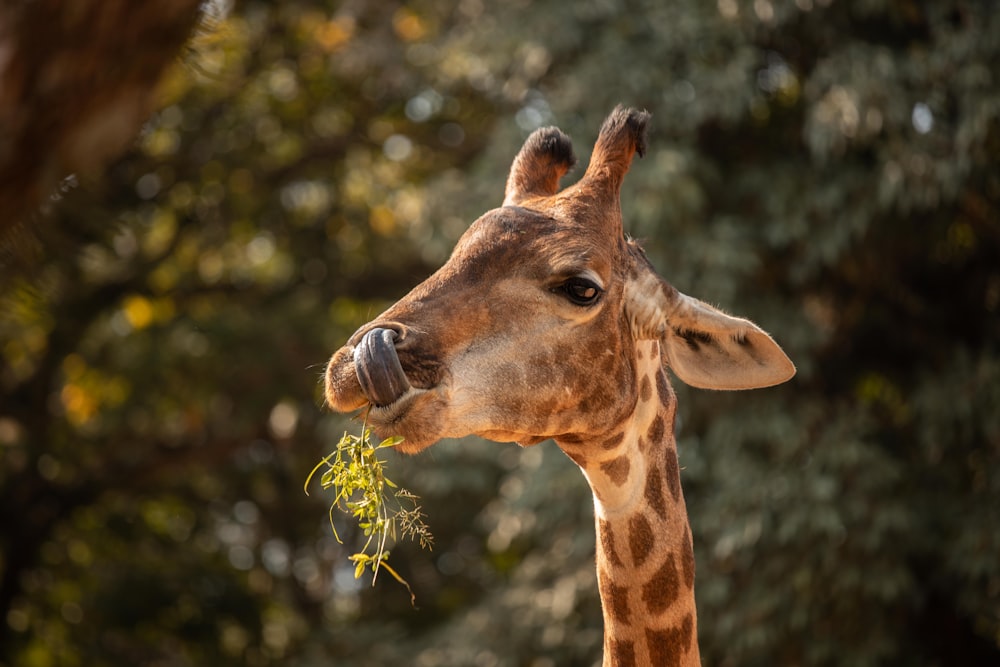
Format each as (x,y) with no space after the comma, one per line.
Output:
(547,322)
(645,557)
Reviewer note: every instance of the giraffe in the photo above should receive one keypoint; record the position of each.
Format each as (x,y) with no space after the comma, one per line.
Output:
(548,323)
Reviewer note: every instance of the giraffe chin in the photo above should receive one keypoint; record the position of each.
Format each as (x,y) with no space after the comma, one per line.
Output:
(403,418)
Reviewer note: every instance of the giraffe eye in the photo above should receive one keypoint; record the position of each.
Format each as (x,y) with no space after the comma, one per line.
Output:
(581,291)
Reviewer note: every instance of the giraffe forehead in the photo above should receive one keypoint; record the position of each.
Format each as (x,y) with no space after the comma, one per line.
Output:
(518,240)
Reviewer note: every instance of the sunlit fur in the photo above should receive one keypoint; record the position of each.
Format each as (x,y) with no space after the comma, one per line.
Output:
(492,346)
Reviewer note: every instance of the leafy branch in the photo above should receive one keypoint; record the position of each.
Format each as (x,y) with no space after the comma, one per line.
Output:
(383,509)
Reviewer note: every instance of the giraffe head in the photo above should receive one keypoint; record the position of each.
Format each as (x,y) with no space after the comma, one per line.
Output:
(530,329)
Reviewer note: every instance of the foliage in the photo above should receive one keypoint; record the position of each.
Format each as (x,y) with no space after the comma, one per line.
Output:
(825,167)
(357,476)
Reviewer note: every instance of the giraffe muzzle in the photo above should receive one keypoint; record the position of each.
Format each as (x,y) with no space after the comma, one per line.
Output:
(377,365)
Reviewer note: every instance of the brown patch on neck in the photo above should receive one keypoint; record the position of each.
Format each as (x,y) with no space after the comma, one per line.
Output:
(687,560)
(664,389)
(654,492)
(640,539)
(614,598)
(667,647)
(613,441)
(622,653)
(645,389)
(673,474)
(617,469)
(660,592)
(667,400)
(608,543)
(656,430)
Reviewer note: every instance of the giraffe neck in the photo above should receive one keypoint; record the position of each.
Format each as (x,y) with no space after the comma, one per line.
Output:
(645,560)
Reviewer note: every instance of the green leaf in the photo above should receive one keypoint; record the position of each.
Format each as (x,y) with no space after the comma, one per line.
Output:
(359,569)
(391,442)
(358,478)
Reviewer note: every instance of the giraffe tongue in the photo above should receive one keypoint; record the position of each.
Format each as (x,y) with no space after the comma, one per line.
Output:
(377,366)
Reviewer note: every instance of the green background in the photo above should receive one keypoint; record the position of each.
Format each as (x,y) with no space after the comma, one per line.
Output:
(828,168)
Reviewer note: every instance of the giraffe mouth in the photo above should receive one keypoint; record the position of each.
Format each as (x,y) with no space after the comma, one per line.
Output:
(377,366)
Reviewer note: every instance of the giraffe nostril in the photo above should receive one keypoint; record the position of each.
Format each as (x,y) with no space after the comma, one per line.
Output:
(377,366)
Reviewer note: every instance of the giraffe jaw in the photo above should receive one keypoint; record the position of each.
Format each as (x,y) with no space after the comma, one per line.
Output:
(388,419)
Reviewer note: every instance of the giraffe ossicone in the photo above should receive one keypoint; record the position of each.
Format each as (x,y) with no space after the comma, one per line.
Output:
(547,322)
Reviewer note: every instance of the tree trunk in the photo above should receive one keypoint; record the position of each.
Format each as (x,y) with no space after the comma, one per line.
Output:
(77,80)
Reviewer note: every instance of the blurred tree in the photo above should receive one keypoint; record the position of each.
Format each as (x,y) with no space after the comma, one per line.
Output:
(76,87)
(827,167)
(163,334)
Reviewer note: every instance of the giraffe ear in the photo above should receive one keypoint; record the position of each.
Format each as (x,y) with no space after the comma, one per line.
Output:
(622,135)
(709,349)
(544,159)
